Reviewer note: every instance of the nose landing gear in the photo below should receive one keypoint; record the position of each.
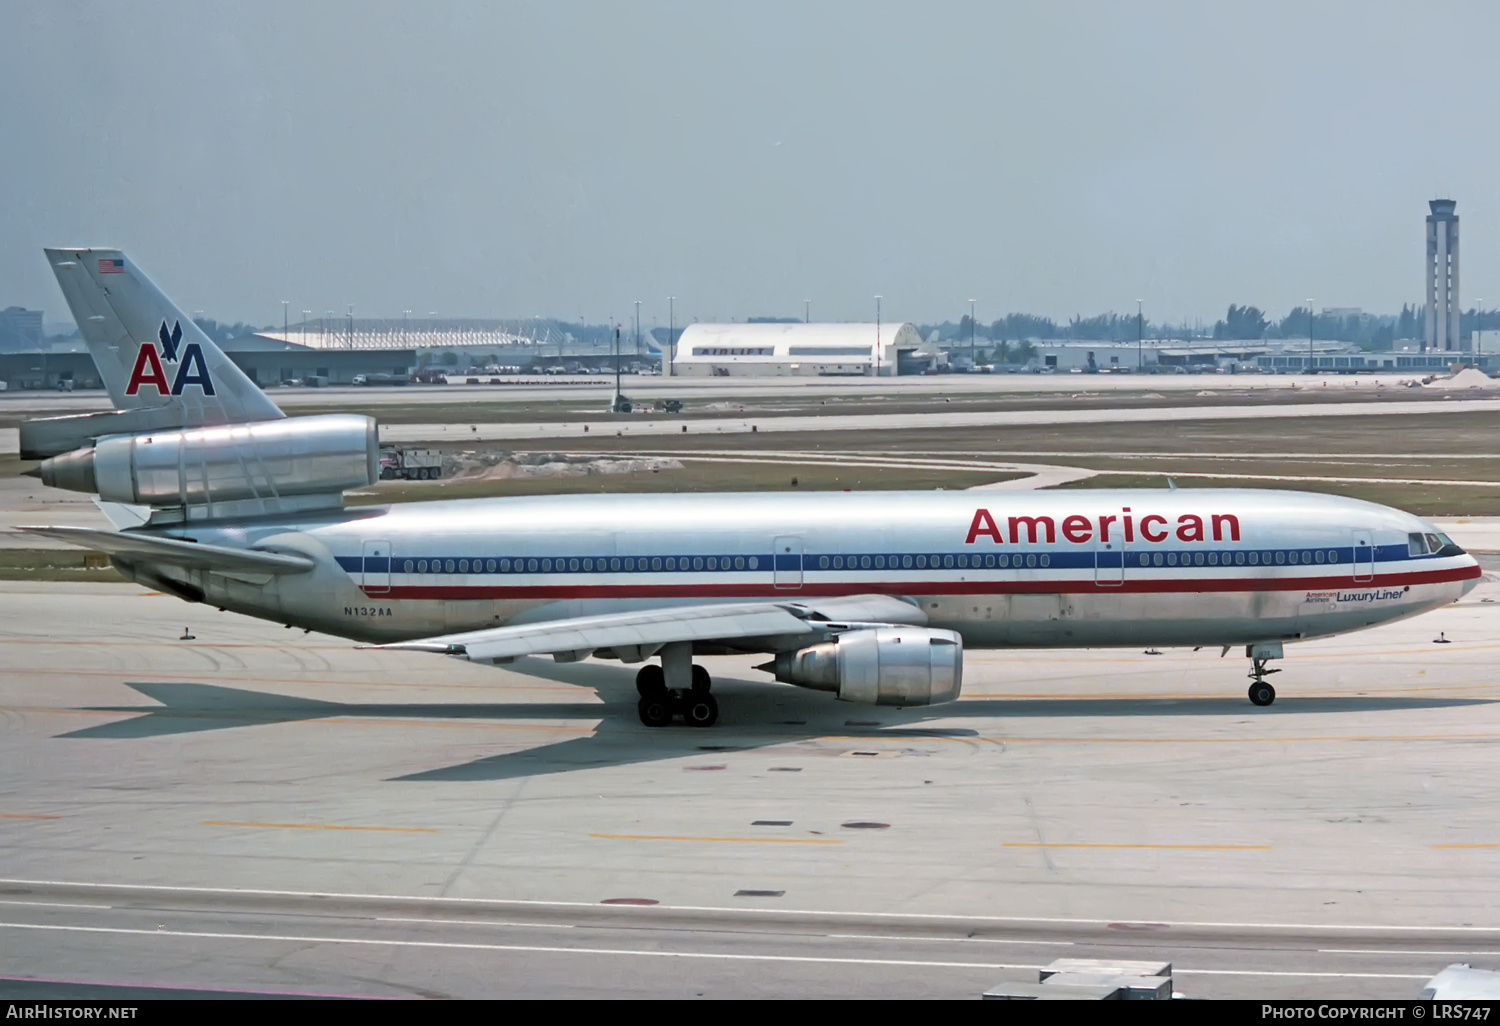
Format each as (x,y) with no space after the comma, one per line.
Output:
(1261,692)
(660,705)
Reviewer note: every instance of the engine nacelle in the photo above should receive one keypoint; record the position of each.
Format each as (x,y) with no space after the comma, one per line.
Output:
(880,666)
(194,466)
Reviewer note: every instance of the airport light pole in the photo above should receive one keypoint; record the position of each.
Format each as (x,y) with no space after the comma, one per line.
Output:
(671,332)
(877,336)
(1140,334)
(1311,362)
(807,311)
(1478,330)
(638,330)
(405,325)
(971,334)
(306,316)
(349,337)
(284,326)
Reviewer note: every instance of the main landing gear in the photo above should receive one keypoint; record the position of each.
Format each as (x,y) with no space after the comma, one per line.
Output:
(1261,692)
(660,704)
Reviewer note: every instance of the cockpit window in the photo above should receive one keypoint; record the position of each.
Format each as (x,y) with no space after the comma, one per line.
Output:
(1431,544)
(1449,547)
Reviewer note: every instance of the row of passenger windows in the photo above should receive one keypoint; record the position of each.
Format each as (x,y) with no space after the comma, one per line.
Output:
(923,562)
(989,561)
(629,564)
(1278,557)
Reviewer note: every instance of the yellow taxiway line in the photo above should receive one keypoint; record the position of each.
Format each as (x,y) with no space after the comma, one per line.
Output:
(318,826)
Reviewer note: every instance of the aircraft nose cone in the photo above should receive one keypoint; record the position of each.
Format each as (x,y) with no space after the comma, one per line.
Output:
(1470,585)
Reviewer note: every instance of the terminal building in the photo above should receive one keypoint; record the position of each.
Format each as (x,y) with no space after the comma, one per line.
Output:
(796,350)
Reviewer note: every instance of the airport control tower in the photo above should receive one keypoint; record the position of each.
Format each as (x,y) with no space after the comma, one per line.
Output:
(1442,276)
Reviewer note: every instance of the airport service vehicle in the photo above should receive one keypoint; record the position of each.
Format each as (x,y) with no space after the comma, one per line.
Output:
(410,464)
(871,597)
(371,380)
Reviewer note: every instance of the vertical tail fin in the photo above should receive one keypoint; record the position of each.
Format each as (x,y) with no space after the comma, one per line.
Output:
(149,354)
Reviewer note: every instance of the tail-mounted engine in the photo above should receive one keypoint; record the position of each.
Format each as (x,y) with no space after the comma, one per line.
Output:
(879,666)
(261,462)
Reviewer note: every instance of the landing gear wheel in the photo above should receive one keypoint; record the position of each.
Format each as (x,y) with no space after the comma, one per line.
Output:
(1262,693)
(700,709)
(650,682)
(655,710)
(701,680)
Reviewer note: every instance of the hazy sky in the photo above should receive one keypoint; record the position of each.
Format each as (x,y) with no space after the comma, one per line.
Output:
(565,159)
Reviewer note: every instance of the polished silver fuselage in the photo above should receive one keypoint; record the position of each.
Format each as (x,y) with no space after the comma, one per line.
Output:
(1070,568)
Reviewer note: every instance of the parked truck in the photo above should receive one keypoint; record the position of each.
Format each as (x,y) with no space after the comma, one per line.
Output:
(410,464)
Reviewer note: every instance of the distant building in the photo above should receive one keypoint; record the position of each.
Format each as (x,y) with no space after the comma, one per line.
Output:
(20,330)
(268,360)
(792,350)
(1442,276)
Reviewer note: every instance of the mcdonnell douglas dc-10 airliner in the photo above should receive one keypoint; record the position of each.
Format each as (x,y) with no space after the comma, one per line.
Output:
(872,597)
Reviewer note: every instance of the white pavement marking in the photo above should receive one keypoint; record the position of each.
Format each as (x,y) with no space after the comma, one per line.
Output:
(1405,952)
(948,940)
(766,912)
(1041,475)
(477,922)
(522,948)
(960,419)
(635,953)
(54,904)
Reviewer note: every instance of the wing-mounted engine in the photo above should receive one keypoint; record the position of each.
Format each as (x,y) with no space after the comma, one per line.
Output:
(269,466)
(879,666)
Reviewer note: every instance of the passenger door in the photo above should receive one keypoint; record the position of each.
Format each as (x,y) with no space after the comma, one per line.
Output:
(1109,564)
(787,562)
(1364,556)
(376,576)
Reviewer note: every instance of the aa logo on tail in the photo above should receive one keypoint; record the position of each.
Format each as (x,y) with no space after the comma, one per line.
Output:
(148,370)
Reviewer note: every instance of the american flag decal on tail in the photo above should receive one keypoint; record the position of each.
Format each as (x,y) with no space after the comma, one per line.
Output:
(111,266)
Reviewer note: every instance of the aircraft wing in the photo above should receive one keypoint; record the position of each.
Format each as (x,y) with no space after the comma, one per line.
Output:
(132,547)
(642,631)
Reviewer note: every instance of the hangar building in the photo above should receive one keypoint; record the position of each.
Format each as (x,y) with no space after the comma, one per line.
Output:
(795,349)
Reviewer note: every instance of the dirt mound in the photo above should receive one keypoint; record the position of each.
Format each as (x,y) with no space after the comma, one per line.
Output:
(1467,378)
(548,464)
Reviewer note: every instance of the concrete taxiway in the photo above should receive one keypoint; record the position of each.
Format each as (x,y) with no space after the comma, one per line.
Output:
(873,422)
(249,808)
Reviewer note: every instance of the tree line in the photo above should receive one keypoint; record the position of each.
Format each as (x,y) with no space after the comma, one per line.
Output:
(1239,323)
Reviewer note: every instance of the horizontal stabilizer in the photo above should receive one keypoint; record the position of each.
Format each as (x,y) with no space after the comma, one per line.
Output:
(644,629)
(145,548)
(46,437)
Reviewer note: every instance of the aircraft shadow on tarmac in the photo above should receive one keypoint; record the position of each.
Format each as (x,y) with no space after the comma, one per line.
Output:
(754,714)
